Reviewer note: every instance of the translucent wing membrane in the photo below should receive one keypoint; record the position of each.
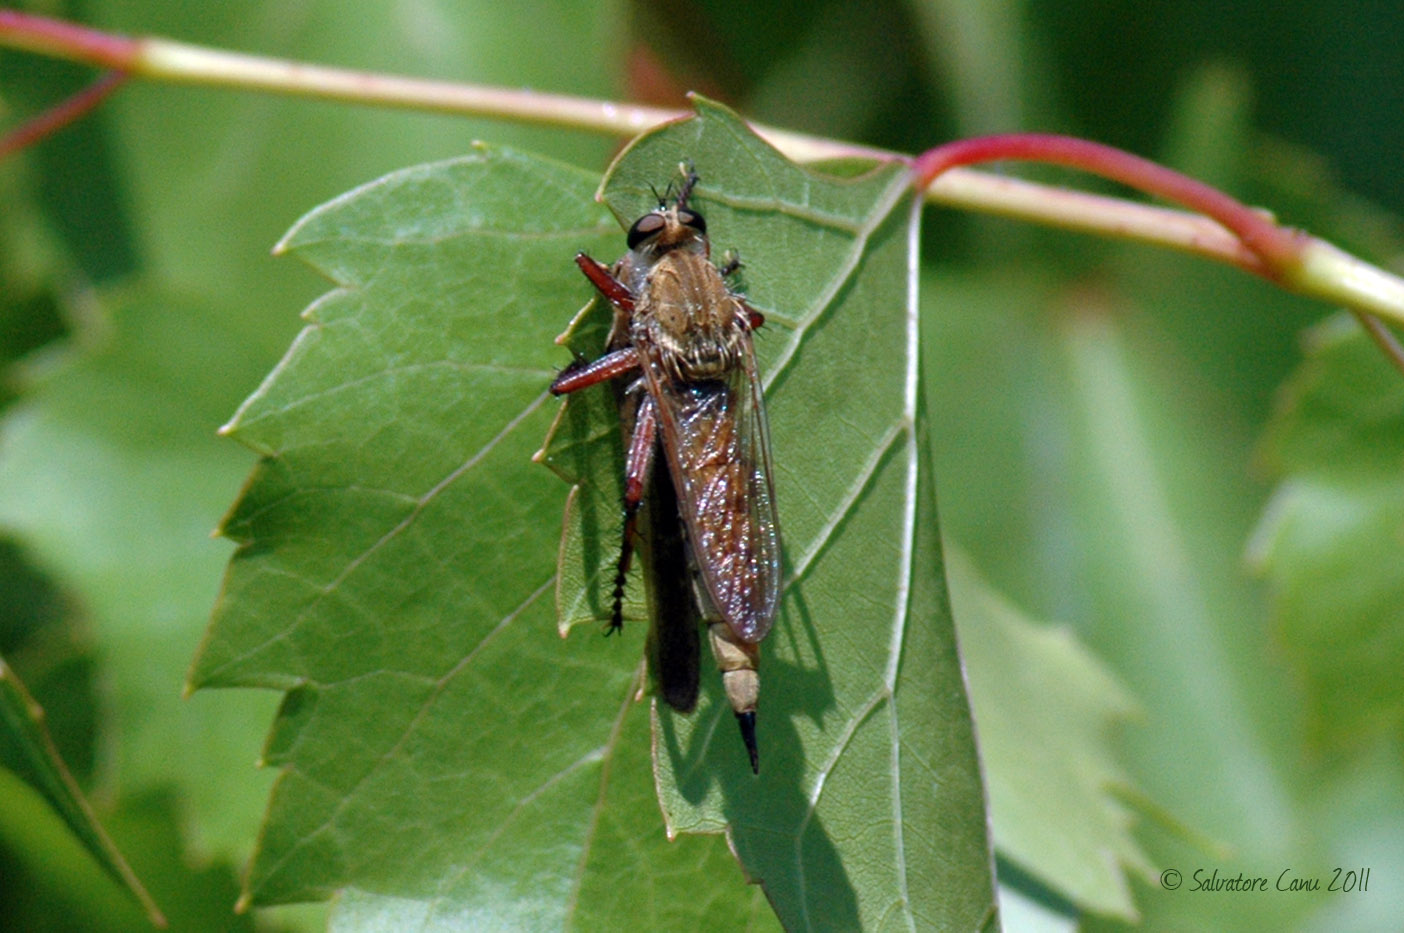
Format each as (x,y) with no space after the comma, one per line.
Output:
(714,432)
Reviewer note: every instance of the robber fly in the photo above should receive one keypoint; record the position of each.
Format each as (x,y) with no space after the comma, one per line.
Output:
(681,346)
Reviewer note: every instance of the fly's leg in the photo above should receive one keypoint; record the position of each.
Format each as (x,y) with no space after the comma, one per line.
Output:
(604,281)
(690,180)
(730,263)
(752,318)
(621,573)
(636,467)
(580,375)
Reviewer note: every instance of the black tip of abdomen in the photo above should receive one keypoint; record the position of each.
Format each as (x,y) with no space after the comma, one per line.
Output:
(747,722)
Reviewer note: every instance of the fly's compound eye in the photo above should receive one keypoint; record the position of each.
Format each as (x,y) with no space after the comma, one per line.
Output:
(646,226)
(694,220)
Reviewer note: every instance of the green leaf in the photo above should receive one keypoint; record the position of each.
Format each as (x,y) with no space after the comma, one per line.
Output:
(443,760)
(1328,537)
(27,750)
(446,760)
(868,809)
(112,474)
(1047,709)
(30,314)
(1097,472)
(397,553)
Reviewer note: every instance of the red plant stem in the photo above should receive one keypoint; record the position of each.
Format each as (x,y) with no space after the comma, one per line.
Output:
(67,40)
(1278,248)
(1258,245)
(62,114)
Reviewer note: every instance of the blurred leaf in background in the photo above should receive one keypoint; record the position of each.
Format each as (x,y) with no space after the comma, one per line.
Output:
(1337,445)
(1047,712)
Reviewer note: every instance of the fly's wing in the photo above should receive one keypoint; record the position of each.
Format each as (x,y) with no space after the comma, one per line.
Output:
(715,435)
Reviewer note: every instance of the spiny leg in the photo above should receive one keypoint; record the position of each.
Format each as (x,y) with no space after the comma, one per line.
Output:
(636,467)
(621,573)
(690,180)
(731,261)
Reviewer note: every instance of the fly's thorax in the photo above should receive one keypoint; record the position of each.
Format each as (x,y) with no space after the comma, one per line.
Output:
(689,315)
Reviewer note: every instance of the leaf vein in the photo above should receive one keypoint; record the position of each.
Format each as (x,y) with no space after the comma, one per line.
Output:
(325,590)
(348,794)
(850,499)
(845,271)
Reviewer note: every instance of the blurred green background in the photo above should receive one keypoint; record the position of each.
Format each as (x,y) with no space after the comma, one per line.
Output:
(1100,409)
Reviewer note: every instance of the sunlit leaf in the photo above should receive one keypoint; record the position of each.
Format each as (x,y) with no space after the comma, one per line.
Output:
(446,758)
(443,758)
(869,804)
(398,548)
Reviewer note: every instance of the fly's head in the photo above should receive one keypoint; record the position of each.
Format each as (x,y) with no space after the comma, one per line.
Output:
(670,226)
(684,309)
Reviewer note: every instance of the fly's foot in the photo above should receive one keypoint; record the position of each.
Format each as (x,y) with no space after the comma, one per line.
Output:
(731,261)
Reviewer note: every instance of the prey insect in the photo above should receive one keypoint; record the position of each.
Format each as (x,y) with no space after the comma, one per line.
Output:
(690,395)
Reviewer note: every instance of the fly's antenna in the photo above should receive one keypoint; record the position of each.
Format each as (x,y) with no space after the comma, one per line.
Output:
(662,199)
(690,179)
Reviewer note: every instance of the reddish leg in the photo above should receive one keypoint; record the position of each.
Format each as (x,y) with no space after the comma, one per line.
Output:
(636,467)
(600,277)
(641,444)
(583,375)
(754,319)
